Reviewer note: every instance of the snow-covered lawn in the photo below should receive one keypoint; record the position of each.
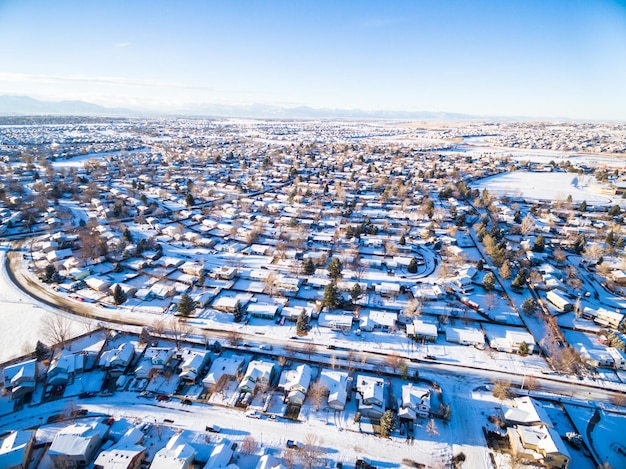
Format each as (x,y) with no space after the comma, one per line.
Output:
(545,186)
(21,318)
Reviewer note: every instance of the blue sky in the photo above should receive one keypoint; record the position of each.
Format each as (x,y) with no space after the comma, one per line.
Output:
(543,58)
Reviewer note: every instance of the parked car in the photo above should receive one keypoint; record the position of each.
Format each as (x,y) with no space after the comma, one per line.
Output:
(213,428)
(163,398)
(294,444)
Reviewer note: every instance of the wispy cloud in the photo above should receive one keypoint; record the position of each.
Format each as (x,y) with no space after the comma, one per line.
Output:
(120,81)
(122,44)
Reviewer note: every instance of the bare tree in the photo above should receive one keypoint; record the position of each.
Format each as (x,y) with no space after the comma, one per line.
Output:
(531,383)
(431,428)
(309,349)
(234,338)
(289,458)
(70,411)
(351,359)
(413,308)
(56,329)
(179,329)
(248,445)
(316,394)
(394,361)
(528,225)
(618,400)
(270,282)
(501,390)
(490,301)
(311,451)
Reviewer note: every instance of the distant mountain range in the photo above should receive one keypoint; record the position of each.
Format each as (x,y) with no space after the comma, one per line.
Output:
(27,106)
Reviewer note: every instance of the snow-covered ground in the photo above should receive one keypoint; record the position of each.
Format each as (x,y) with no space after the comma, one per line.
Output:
(545,186)
(21,317)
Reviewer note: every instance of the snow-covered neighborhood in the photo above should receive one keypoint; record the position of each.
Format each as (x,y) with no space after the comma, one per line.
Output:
(189,293)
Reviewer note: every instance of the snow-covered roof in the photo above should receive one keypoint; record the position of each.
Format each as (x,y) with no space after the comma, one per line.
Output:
(228,366)
(15,447)
(77,439)
(173,457)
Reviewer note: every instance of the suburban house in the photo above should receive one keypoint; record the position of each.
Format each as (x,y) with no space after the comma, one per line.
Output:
(539,443)
(193,361)
(63,366)
(227,304)
(220,456)
(619,358)
(295,383)
(76,445)
(337,384)
(116,361)
(174,456)
(379,320)
(154,360)
(259,372)
(128,457)
(596,357)
(15,450)
(262,310)
(21,378)
(127,453)
(532,436)
(267,461)
(334,321)
(415,402)
(421,330)
(465,336)
(222,367)
(371,396)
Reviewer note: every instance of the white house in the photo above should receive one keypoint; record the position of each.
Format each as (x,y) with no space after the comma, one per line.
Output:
(422,330)
(465,336)
(383,320)
(220,456)
(619,358)
(174,456)
(517,337)
(76,445)
(267,461)
(117,359)
(415,402)
(337,384)
(16,449)
(192,363)
(371,391)
(295,383)
(154,358)
(98,284)
(223,366)
(21,378)
(262,310)
(258,372)
(336,322)
(116,457)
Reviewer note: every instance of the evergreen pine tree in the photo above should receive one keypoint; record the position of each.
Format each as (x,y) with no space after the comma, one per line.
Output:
(302,325)
(119,296)
(186,305)
(309,267)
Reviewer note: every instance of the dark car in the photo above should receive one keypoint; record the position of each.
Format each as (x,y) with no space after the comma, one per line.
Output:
(163,397)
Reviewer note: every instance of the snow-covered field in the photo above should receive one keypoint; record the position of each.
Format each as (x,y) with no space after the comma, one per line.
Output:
(21,318)
(545,186)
